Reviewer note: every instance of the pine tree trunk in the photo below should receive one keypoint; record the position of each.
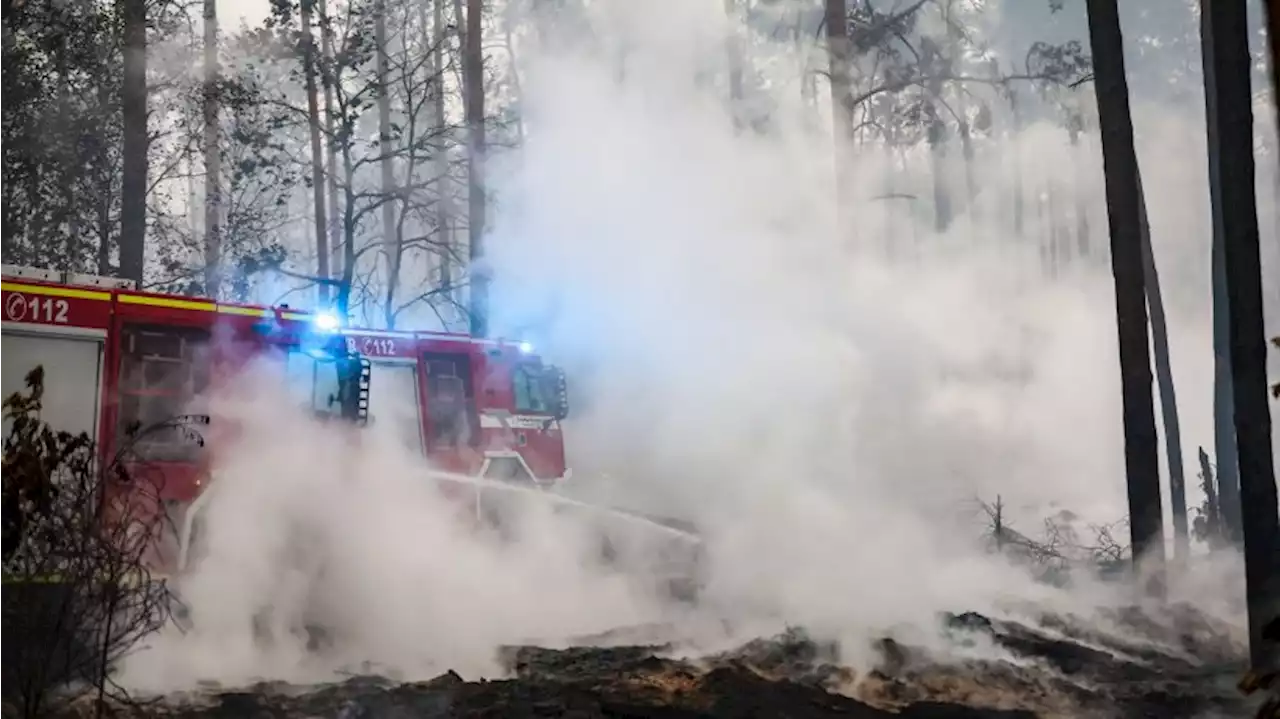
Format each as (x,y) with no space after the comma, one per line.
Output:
(839,57)
(1213,512)
(334,221)
(1120,166)
(1168,396)
(733,54)
(1224,34)
(1224,435)
(970,181)
(385,162)
(1273,33)
(473,86)
(445,220)
(839,54)
(938,166)
(317,157)
(133,181)
(1078,188)
(212,157)
(1019,208)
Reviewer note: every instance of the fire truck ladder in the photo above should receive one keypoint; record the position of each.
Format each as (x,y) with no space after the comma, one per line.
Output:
(362,399)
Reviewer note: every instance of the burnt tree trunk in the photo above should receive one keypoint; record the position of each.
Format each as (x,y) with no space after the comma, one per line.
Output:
(133,180)
(1212,512)
(1168,396)
(1120,166)
(1224,32)
(1224,435)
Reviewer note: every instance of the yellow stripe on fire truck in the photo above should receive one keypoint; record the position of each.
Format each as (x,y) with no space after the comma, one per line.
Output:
(75,294)
(167,302)
(182,304)
(244,311)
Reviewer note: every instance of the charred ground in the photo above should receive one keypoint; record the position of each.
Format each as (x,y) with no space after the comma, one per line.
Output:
(1179,664)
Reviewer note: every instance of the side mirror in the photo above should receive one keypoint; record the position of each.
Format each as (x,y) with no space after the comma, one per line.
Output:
(559,392)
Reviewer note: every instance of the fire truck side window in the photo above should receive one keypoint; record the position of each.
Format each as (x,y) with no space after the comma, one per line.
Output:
(530,390)
(449,400)
(162,370)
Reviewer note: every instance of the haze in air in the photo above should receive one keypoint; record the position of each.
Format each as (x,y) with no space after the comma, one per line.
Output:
(829,404)
(834,350)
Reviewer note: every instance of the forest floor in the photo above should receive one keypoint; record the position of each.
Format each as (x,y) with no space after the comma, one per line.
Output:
(1050,667)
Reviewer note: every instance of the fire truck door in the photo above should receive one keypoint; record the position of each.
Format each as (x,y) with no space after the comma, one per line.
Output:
(451,418)
(393,403)
(72,376)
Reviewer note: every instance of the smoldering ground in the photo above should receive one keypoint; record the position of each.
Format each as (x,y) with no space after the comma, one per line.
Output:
(820,392)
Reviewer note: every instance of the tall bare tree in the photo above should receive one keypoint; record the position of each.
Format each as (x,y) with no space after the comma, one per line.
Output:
(1224,437)
(135,142)
(384,128)
(212,156)
(1120,166)
(1168,394)
(330,129)
(840,57)
(445,220)
(309,62)
(1224,34)
(473,102)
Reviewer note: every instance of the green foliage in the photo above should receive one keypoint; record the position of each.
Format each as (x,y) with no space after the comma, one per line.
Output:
(61,132)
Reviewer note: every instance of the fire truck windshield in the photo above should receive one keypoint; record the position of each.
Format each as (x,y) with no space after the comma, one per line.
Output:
(531,393)
(539,389)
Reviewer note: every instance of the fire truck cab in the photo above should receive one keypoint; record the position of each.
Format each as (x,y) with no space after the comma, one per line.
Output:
(116,358)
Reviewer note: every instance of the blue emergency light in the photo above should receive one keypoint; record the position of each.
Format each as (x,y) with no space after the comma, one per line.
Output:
(326,322)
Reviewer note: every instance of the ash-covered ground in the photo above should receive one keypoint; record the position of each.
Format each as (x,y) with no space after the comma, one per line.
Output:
(1172,663)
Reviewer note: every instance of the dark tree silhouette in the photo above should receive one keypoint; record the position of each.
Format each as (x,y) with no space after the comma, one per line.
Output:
(1228,102)
(1120,166)
(133,94)
(78,595)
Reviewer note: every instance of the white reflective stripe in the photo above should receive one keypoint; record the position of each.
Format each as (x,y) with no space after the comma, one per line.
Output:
(390,360)
(498,420)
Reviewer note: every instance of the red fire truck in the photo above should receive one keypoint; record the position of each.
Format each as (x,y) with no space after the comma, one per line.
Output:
(116,357)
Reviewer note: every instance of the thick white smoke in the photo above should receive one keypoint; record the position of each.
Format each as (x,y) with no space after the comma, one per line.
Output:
(350,532)
(825,405)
